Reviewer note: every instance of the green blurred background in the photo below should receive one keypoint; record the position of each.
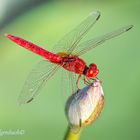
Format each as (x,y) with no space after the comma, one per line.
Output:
(44,23)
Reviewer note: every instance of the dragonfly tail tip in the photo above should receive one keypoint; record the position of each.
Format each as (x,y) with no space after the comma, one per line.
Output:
(6,34)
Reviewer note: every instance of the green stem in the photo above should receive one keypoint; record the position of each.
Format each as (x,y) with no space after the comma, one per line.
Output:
(71,135)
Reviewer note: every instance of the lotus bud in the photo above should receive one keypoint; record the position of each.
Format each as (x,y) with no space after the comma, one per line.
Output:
(84,106)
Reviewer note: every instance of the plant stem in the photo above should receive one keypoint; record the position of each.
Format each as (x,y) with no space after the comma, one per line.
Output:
(71,135)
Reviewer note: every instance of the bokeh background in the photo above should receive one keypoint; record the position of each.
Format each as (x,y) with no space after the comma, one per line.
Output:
(44,23)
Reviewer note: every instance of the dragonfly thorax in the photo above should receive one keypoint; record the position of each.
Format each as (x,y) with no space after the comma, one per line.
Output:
(62,54)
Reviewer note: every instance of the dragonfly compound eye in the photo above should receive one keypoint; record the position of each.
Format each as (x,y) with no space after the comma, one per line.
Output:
(91,73)
(93,66)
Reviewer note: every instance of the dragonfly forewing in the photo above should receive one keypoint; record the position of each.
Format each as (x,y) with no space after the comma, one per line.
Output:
(69,42)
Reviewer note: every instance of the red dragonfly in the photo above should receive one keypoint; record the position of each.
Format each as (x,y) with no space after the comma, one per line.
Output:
(68,58)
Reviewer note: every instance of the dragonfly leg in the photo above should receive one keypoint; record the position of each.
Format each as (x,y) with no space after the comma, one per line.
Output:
(87,81)
(78,81)
(96,78)
(90,81)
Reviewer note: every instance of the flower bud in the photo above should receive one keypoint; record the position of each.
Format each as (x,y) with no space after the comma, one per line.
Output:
(85,105)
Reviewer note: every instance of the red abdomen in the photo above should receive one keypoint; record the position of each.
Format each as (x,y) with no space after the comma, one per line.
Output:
(74,64)
(54,58)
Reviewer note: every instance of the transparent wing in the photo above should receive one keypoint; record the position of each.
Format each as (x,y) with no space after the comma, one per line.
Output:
(92,43)
(43,71)
(68,84)
(72,82)
(69,42)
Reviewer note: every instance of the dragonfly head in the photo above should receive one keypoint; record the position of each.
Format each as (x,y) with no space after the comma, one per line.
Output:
(91,71)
